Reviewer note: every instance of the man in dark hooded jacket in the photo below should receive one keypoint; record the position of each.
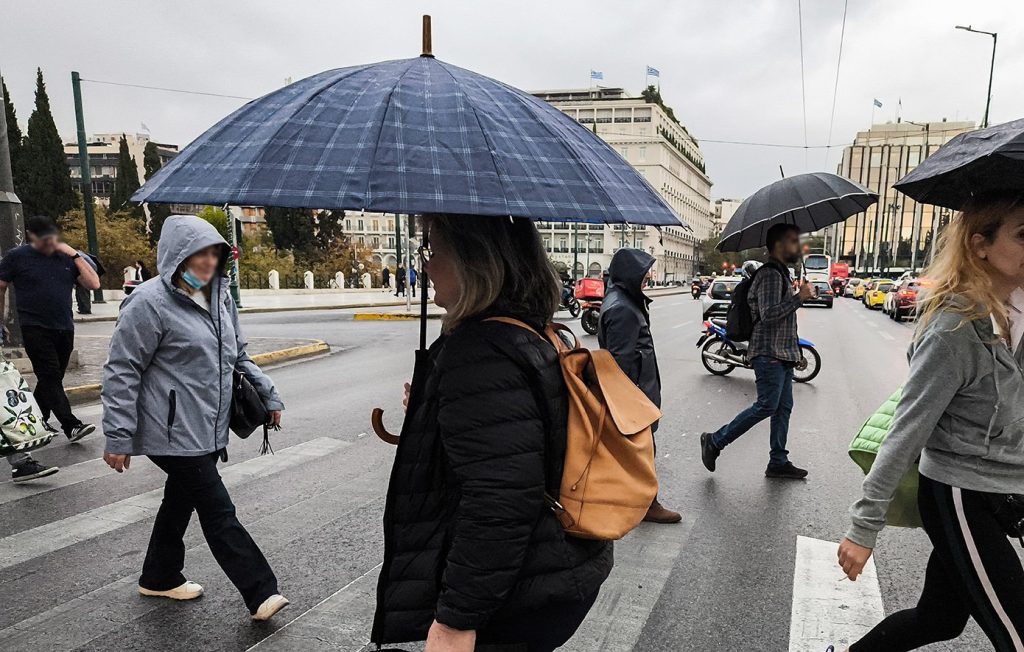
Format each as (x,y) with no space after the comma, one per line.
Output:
(625,331)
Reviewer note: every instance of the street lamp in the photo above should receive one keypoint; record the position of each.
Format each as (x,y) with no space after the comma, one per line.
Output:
(991,70)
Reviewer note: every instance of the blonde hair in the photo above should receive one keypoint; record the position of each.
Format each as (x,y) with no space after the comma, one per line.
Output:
(958,270)
(501,266)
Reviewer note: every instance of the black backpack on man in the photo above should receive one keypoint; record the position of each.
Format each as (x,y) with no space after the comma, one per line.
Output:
(740,320)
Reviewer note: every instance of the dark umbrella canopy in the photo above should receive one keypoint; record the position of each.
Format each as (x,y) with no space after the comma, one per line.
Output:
(972,163)
(410,136)
(810,201)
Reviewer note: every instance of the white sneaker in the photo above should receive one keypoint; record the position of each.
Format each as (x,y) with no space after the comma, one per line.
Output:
(187,591)
(270,606)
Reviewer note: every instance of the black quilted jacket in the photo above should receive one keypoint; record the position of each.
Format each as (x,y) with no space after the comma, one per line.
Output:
(468,539)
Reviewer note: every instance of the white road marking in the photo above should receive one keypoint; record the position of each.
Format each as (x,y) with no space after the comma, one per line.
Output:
(685,323)
(887,336)
(330,622)
(827,611)
(56,535)
(643,563)
(68,476)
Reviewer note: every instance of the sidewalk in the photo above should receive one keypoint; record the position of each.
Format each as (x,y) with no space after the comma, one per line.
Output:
(82,382)
(254,301)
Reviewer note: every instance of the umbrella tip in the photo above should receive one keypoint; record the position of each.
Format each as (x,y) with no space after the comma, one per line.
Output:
(427,45)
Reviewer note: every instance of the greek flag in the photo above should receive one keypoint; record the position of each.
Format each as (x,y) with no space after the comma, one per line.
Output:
(596,74)
(653,72)
(878,103)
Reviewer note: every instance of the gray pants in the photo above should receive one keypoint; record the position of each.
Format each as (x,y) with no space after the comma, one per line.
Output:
(17,459)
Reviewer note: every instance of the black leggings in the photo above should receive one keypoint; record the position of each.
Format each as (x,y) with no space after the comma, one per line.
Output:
(973,571)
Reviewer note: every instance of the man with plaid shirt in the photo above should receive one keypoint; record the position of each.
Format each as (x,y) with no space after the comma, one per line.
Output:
(774,350)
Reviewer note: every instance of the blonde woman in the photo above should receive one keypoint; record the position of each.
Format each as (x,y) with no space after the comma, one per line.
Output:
(962,414)
(472,555)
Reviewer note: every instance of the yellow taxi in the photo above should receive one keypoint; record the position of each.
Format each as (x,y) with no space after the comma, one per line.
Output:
(875,297)
(860,288)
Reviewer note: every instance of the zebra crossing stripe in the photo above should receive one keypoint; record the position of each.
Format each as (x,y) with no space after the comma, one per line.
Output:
(828,610)
(44,539)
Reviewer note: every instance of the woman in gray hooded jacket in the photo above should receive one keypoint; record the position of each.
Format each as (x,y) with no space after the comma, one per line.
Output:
(962,414)
(167,395)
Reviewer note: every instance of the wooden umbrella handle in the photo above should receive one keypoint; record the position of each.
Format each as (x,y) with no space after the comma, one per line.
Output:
(377,421)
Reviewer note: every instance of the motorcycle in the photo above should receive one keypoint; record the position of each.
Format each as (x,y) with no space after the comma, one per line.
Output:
(590,291)
(695,290)
(569,301)
(720,355)
(591,319)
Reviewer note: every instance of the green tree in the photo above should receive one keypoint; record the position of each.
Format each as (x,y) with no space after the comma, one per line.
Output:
(126,182)
(45,179)
(158,213)
(292,229)
(122,242)
(218,218)
(13,134)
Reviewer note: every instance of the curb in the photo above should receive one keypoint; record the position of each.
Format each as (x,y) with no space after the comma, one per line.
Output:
(86,393)
(86,319)
(393,316)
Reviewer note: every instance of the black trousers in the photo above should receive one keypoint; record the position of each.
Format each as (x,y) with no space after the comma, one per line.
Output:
(972,572)
(84,299)
(50,350)
(193,483)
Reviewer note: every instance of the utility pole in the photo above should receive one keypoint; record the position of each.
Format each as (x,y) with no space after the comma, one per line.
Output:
(575,249)
(86,184)
(991,69)
(12,225)
(398,249)
(236,253)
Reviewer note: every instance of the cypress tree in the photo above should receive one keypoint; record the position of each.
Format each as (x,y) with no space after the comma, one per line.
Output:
(126,182)
(158,213)
(46,187)
(13,133)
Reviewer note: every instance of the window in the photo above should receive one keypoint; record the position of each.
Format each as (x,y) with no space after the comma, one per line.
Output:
(391,242)
(391,225)
(642,153)
(625,152)
(359,227)
(376,242)
(348,225)
(375,225)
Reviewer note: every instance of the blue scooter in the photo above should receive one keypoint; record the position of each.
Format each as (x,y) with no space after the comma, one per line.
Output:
(721,355)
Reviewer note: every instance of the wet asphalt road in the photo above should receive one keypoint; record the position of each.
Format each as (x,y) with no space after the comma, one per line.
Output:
(721,580)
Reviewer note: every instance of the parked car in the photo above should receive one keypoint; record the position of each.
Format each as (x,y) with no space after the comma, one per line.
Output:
(824,296)
(905,298)
(715,302)
(851,286)
(875,297)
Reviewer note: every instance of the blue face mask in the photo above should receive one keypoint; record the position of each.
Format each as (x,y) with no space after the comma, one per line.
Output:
(193,281)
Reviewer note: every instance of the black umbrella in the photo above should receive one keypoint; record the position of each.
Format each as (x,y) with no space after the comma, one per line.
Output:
(810,201)
(972,163)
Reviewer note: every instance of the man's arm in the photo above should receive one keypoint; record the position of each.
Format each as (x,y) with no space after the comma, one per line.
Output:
(772,304)
(87,276)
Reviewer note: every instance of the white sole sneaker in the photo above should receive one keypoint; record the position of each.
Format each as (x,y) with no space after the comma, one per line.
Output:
(81,431)
(187,591)
(270,606)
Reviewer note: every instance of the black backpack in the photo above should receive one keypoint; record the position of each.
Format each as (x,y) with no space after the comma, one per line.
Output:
(739,322)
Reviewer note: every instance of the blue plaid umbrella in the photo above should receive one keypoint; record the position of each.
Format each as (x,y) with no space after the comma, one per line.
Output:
(411,136)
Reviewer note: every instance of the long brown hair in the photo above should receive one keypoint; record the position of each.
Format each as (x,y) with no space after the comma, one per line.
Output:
(501,266)
(959,271)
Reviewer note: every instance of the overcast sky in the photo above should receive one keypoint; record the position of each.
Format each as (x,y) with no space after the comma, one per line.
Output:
(730,69)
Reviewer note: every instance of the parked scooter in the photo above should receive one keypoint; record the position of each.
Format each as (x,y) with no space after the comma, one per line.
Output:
(720,355)
(590,291)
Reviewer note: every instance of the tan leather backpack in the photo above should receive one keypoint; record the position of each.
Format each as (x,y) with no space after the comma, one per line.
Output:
(608,479)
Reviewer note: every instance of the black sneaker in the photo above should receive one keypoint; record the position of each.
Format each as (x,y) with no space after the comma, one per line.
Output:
(79,431)
(708,452)
(32,470)
(50,429)
(786,471)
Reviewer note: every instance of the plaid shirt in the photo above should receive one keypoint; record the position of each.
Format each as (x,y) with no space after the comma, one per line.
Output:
(773,303)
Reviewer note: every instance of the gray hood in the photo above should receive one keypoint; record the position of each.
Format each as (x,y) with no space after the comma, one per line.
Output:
(182,236)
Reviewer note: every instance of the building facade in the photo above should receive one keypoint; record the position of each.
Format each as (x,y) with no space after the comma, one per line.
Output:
(722,212)
(103,154)
(897,233)
(665,153)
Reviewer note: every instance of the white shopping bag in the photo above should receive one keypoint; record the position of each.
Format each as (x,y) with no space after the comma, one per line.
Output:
(21,424)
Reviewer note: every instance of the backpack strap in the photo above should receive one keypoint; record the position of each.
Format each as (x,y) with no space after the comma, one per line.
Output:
(556,334)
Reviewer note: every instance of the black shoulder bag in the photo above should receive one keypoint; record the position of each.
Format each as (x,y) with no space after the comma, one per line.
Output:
(248,411)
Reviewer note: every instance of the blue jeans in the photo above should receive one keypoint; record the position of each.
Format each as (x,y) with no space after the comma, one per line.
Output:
(774,380)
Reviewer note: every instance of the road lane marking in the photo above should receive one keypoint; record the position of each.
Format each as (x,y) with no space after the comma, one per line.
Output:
(685,323)
(827,611)
(887,336)
(329,624)
(643,564)
(53,536)
(69,475)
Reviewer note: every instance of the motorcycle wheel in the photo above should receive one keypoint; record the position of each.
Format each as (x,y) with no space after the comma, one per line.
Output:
(806,370)
(721,347)
(590,320)
(574,308)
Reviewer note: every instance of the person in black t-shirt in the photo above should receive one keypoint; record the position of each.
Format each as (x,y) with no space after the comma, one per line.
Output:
(44,272)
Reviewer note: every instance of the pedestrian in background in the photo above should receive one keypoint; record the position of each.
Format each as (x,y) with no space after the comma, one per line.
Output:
(385,278)
(142,272)
(625,330)
(412,280)
(44,273)
(400,281)
(774,350)
(962,414)
(83,296)
(167,388)
(473,555)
